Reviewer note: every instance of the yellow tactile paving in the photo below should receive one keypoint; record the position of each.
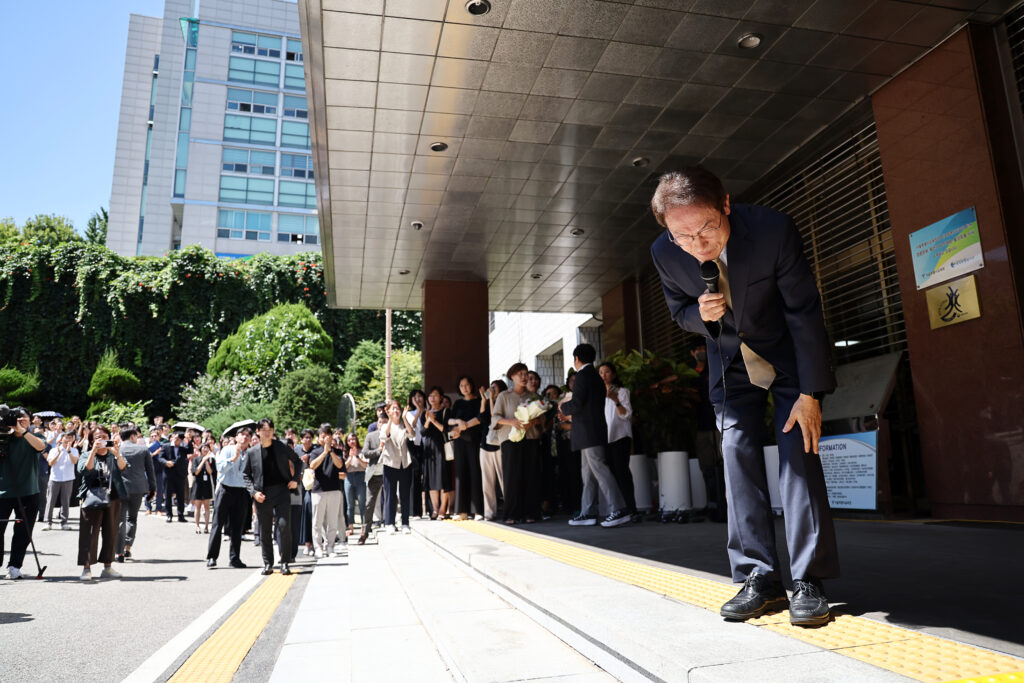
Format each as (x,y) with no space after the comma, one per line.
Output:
(909,653)
(219,657)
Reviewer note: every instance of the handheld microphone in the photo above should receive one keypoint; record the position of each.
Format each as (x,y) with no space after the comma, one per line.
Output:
(709,273)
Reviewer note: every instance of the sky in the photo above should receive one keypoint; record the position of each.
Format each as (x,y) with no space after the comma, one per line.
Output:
(65,64)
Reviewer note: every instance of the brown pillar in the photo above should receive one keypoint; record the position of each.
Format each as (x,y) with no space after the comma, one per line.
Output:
(946,145)
(455,328)
(621,320)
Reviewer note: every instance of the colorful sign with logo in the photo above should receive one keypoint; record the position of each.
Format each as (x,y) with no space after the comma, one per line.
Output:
(947,249)
(953,302)
(850,462)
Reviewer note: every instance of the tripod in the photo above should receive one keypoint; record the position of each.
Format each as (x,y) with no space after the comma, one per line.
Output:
(24,520)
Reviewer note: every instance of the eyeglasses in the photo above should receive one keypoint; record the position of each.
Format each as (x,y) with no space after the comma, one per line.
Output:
(702,234)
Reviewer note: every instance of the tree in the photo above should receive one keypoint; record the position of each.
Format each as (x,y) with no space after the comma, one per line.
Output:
(18,387)
(9,232)
(96,228)
(309,397)
(365,363)
(49,230)
(111,384)
(406,375)
(269,346)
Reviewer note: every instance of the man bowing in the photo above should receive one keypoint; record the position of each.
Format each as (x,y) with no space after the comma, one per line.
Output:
(759,307)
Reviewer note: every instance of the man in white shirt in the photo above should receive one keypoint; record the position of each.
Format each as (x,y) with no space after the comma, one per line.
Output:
(63,458)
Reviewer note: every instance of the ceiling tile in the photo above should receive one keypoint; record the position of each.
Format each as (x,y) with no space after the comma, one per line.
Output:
(490,103)
(723,70)
(463,41)
(928,26)
(350,93)
(458,73)
(559,82)
(593,19)
(350,118)
(765,75)
(741,102)
(356,65)
(780,107)
(882,19)
(675,64)
(590,112)
(608,87)
(510,78)
(394,143)
(396,67)
(575,135)
(798,45)
(398,121)
(349,141)
(401,96)
(522,47)
(409,35)
(647,26)
(782,12)
(626,58)
(717,125)
(700,32)
(480,148)
(724,8)
(451,100)
(432,10)
(575,53)
(536,15)
(810,81)
(844,51)
(541,108)
(635,116)
(617,138)
(490,127)
(853,86)
(830,15)
(533,131)
(356,31)
(425,181)
(457,14)
(888,59)
(652,91)
(444,125)
(677,120)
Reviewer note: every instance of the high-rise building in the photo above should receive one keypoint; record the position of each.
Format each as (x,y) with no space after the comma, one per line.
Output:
(213,140)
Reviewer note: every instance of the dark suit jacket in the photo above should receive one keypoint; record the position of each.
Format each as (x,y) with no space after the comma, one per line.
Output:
(180,470)
(776,305)
(252,472)
(589,428)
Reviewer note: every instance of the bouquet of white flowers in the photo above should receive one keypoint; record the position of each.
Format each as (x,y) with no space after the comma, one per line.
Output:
(525,413)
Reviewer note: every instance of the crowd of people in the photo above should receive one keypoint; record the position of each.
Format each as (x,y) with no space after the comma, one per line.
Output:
(508,452)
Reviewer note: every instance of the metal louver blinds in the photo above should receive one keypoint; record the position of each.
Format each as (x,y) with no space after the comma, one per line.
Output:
(839,205)
(1015,36)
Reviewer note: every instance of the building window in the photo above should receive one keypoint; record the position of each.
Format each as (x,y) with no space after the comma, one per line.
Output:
(249,129)
(295,134)
(246,190)
(248,225)
(179,183)
(252,102)
(252,44)
(292,228)
(255,71)
(301,195)
(185,120)
(297,166)
(255,162)
(294,51)
(294,77)
(296,107)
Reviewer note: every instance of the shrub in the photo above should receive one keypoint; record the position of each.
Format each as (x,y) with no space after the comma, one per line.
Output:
(120,413)
(308,397)
(17,387)
(406,375)
(113,383)
(210,395)
(269,346)
(223,419)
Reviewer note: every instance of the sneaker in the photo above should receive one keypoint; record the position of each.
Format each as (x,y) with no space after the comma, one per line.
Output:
(65,527)
(583,520)
(478,518)
(392,530)
(110,573)
(406,529)
(617,518)
(48,527)
(342,551)
(758,595)
(310,552)
(86,575)
(808,606)
(14,573)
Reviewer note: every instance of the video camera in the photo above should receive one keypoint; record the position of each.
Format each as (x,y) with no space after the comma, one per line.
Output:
(8,421)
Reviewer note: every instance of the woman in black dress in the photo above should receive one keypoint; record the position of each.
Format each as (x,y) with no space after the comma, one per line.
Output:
(469,494)
(437,473)
(204,474)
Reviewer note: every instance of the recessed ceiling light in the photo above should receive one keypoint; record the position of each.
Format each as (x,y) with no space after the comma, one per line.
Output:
(478,7)
(576,232)
(438,146)
(417,225)
(536,276)
(403,271)
(640,162)
(749,41)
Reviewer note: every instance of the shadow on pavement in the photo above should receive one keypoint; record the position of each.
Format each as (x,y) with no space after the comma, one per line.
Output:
(15,617)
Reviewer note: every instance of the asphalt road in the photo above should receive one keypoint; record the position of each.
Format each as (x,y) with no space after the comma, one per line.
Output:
(62,629)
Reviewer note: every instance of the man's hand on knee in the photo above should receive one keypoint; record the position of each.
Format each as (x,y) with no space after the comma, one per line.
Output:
(807,413)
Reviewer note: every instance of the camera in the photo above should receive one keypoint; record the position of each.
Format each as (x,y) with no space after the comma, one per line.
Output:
(109,444)
(8,421)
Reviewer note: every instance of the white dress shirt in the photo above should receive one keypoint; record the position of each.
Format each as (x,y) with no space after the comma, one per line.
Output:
(619,426)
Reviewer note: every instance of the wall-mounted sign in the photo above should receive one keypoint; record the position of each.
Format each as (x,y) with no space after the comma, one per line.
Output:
(953,302)
(946,249)
(850,462)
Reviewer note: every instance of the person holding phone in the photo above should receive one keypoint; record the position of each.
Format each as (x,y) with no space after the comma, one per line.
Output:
(139,480)
(101,468)
(204,475)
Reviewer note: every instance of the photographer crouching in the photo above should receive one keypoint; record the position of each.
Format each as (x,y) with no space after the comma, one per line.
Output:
(19,483)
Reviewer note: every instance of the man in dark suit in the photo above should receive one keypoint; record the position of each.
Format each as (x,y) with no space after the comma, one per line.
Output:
(590,436)
(271,471)
(173,459)
(765,331)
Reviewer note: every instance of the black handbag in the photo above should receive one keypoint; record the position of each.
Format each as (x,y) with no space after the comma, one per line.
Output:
(96,498)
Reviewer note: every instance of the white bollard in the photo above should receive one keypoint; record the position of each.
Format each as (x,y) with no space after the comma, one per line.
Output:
(698,491)
(640,468)
(674,480)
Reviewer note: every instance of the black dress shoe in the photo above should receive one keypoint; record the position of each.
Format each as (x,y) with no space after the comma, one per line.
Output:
(170,519)
(119,558)
(758,595)
(211,563)
(238,564)
(808,606)
(267,570)
(285,571)
(181,518)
